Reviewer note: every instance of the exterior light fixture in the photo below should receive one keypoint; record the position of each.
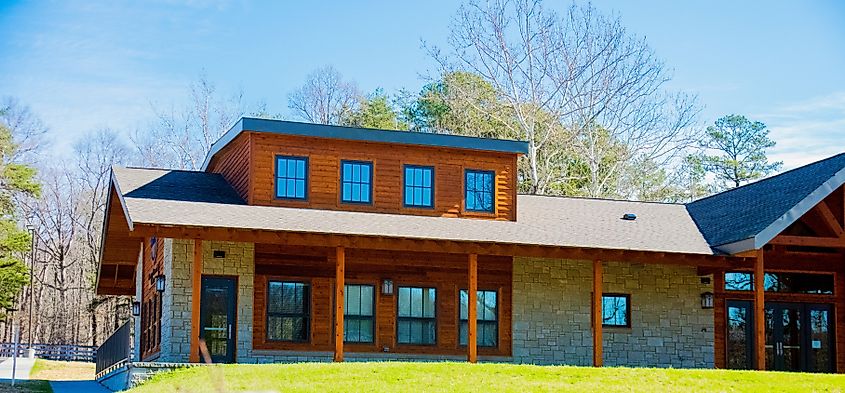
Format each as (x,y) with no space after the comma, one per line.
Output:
(387,287)
(136,309)
(707,300)
(160,283)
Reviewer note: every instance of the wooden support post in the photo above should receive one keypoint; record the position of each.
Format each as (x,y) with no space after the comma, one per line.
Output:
(340,286)
(598,356)
(196,282)
(759,313)
(472,310)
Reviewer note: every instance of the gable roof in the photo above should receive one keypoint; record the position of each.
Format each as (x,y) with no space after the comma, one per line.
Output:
(363,134)
(750,216)
(150,198)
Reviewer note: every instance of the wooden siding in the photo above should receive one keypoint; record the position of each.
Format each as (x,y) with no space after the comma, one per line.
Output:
(324,156)
(153,265)
(446,272)
(233,163)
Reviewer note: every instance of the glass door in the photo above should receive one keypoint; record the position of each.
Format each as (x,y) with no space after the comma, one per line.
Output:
(819,338)
(217,318)
(740,338)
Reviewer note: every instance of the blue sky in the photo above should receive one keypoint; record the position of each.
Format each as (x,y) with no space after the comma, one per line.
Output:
(81,65)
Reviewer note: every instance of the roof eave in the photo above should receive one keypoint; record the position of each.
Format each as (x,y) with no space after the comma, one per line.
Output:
(364,134)
(800,209)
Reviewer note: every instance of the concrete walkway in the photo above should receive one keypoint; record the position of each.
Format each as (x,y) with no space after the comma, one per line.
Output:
(24,367)
(77,387)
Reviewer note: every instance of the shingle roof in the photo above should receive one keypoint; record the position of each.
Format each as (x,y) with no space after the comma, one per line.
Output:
(364,134)
(200,199)
(761,210)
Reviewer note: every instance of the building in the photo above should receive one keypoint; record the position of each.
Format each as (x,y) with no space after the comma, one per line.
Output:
(304,242)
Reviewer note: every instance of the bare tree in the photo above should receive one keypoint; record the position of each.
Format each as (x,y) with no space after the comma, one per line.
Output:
(28,130)
(180,138)
(565,78)
(324,98)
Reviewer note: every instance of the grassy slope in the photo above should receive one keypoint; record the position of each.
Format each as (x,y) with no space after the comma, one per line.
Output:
(463,377)
(61,371)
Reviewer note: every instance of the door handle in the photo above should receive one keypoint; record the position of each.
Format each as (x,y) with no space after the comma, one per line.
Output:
(230,331)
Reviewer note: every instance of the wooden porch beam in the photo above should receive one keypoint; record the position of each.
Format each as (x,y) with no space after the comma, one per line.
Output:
(339,289)
(196,282)
(829,219)
(787,240)
(440,246)
(598,346)
(472,310)
(759,313)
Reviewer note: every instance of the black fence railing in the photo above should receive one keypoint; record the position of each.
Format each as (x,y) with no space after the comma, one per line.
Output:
(115,350)
(65,352)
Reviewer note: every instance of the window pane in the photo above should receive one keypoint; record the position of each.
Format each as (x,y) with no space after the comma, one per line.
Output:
(353,300)
(426,178)
(404,302)
(736,281)
(416,302)
(615,310)
(464,300)
(367,300)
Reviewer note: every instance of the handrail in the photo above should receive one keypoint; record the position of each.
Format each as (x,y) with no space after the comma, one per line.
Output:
(115,350)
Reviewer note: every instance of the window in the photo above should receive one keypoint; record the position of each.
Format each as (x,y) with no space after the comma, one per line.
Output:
(287,311)
(291,177)
(487,318)
(821,284)
(419,186)
(479,190)
(416,323)
(737,281)
(358,314)
(356,179)
(616,310)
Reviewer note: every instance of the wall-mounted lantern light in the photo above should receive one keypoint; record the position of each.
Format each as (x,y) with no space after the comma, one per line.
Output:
(387,287)
(160,283)
(136,309)
(707,300)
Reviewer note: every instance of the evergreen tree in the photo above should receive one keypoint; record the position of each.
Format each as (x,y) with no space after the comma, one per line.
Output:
(15,180)
(740,145)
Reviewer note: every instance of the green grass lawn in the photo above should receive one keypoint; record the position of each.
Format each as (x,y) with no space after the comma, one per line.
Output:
(464,377)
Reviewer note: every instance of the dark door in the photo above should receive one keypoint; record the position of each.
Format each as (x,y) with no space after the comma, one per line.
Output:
(217,318)
(798,337)
(819,342)
(740,336)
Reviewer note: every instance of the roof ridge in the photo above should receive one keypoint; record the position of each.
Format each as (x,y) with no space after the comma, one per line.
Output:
(766,179)
(601,199)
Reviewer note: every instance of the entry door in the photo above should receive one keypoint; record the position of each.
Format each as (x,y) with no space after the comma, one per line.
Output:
(217,318)
(784,346)
(799,337)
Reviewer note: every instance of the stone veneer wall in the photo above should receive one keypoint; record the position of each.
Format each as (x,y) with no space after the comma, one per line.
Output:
(176,308)
(551,313)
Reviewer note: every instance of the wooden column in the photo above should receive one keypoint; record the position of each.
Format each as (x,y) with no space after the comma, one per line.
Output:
(196,283)
(598,355)
(759,313)
(339,289)
(472,310)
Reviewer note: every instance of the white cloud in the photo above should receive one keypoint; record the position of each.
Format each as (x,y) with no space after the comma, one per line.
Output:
(808,130)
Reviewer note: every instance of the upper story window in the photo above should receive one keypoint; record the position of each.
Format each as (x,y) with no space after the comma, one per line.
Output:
(487,325)
(288,311)
(419,186)
(616,310)
(356,182)
(291,177)
(479,190)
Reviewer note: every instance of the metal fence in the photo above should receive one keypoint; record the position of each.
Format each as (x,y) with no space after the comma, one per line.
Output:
(75,353)
(115,350)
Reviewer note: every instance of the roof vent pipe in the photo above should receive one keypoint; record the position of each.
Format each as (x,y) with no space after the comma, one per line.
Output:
(629,216)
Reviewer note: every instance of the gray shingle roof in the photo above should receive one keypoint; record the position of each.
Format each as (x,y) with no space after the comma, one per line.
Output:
(364,134)
(760,210)
(201,199)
